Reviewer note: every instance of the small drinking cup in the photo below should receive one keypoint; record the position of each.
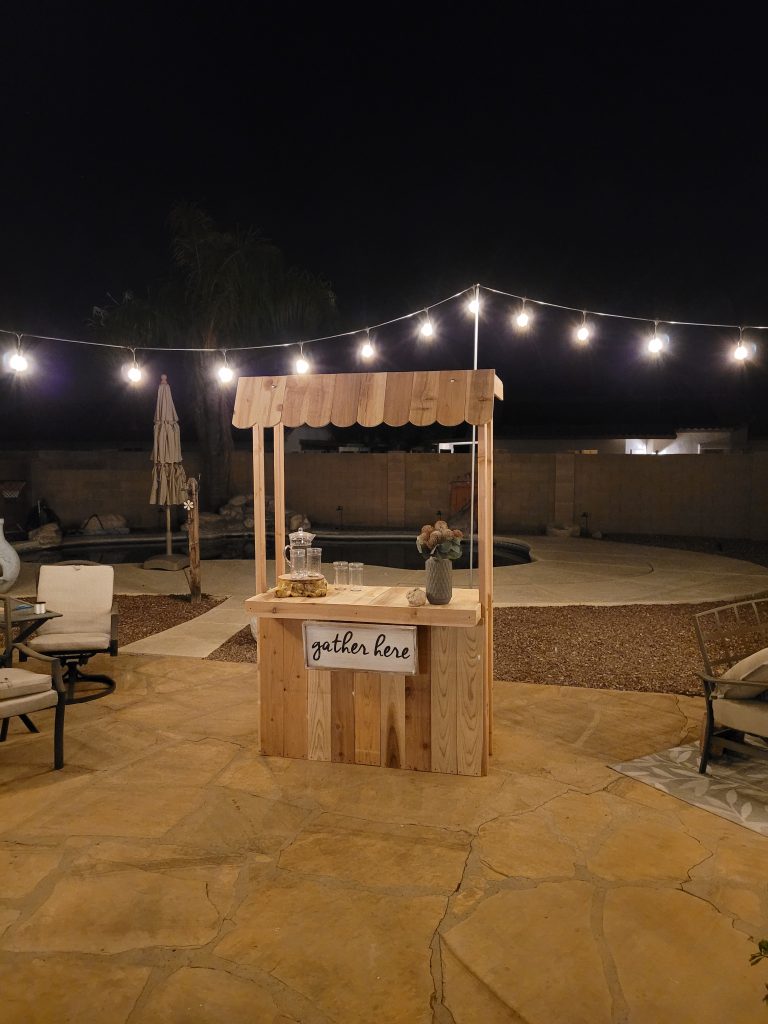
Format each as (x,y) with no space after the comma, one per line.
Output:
(341,575)
(356,575)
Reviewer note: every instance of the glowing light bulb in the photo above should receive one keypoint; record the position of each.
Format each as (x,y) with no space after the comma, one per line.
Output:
(225,373)
(655,344)
(366,350)
(741,352)
(522,319)
(474,306)
(301,365)
(427,330)
(582,334)
(134,374)
(18,362)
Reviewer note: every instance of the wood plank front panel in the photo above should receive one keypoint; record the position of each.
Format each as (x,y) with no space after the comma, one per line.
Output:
(443,698)
(367,718)
(343,717)
(271,685)
(418,710)
(295,710)
(470,701)
(397,402)
(318,715)
(392,720)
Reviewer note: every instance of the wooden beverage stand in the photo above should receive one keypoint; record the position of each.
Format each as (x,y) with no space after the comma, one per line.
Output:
(387,684)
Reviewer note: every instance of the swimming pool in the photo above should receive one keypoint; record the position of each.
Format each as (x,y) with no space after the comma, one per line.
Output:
(397,551)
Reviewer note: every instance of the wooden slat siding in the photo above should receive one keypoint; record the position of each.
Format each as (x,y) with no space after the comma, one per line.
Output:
(259,510)
(452,397)
(470,702)
(370,409)
(319,400)
(342,717)
(318,715)
(426,385)
(346,398)
(367,718)
(293,403)
(443,711)
(259,401)
(294,691)
(418,710)
(279,489)
(271,685)
(480,396)
(392,720)
(397,401)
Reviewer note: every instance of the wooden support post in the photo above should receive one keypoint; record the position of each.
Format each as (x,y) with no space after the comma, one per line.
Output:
(259,504)
(279,489)
(485,563)
(193,535)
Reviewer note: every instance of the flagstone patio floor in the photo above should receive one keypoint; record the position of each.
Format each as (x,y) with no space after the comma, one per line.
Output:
(172,874)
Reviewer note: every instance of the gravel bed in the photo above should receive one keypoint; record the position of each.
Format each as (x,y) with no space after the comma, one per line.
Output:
(240,647)
(141,615)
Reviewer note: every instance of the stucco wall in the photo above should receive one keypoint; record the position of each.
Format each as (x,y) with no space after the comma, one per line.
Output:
(721,496)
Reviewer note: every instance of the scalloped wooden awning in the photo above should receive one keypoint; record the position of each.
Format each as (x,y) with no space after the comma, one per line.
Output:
(448,397)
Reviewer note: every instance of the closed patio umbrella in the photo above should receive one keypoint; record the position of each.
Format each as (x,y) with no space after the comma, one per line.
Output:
(169,481)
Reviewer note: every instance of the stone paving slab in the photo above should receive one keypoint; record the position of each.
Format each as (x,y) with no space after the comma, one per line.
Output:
(171,873)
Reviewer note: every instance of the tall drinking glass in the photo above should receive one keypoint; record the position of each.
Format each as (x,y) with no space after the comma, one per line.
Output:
(341,575)
(355,575)
(314,560)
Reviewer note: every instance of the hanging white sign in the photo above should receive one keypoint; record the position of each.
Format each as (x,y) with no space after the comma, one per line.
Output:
(360,646)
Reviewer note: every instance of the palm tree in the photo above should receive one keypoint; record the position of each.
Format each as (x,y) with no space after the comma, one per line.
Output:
(225,289)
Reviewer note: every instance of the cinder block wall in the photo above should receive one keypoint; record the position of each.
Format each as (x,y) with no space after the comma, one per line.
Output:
(715,495)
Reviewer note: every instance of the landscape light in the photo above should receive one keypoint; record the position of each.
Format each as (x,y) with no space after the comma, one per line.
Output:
(18,362)
(301,365)
(584,333)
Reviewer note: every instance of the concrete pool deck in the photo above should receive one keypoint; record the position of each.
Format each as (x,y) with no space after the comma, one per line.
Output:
(565,571)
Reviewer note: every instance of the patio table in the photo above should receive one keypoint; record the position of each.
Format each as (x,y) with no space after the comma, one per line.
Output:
(23,615)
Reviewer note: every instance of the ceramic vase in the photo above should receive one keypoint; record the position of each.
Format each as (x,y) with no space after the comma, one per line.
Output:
(10,566)
(439,584)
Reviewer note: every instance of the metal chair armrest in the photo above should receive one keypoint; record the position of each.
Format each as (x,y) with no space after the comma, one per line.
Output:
(56,673)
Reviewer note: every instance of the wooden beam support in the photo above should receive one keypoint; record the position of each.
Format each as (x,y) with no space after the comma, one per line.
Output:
(259,503)
(279,488)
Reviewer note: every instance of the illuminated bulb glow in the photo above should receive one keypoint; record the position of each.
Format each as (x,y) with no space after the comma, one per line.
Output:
(18,362)
(134,374)
(474,306)
(655,345)
(301,365)
(582,334)
(427,330)
(367,350)
(741,352)
(522,319)
(226,374)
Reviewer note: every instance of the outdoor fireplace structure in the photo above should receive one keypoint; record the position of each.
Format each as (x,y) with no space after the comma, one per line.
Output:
(440,717)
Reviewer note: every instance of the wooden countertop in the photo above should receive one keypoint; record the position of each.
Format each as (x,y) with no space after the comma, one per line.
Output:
(371,604)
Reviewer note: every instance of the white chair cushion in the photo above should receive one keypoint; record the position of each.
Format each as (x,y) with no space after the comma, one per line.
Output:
(745,715)
(754,668)
(26,705)
(50,642)
(17,682)
(82,593)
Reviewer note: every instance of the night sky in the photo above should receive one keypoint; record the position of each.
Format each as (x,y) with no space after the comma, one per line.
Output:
(588,156)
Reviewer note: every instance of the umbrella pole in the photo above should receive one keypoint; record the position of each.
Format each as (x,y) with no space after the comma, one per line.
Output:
(168,534)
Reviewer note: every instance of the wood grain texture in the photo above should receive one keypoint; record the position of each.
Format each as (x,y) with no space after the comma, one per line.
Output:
(319,400)
(293,403)
(397,402)
(452,397)
(470,701)
(318,715)
(342,717)
(373,389)
(271,686)
(279,489)
(259,401)
(294,691)
(345,399)
(367,718)
(259,509)
(392,720)
(418,710)
(426,387)
(443,699)
(480,393)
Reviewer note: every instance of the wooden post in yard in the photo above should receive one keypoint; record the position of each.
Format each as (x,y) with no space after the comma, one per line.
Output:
(193,523)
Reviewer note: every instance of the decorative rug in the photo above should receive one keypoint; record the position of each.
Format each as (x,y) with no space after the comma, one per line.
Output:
(734,788)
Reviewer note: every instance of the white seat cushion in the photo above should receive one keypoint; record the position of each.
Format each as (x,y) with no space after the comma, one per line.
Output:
(26,705)
(51,642)
(744,715)
(82,593)
(17,682)
(753,668)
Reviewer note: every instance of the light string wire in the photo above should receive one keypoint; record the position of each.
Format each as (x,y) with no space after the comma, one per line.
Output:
(475,290)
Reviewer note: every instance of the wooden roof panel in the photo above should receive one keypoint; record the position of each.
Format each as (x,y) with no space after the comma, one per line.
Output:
(422,398)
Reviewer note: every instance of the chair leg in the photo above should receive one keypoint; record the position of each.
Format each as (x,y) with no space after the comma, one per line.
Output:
(707,728)
(58,734)
(73,676)
(29,723)
(3,730)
